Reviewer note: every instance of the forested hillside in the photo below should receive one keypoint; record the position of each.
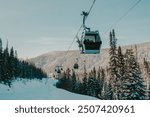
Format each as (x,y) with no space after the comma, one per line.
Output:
(11,67)
(122,79)
(118,72)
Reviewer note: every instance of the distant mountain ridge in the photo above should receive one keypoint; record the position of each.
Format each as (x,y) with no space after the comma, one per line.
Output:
(49,60)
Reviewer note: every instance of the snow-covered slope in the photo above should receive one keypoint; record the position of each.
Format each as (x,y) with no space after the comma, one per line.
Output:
(49,60)
(37,90)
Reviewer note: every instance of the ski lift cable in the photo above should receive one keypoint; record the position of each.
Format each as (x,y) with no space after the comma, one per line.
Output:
(78,31)
(72,42)
(81,26)
(91,6)
(115,23)
(124,15)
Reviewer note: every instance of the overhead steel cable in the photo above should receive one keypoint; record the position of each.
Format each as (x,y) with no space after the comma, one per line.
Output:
(115,23)
(91,6)
(78,31)
(124,15)
(81,26)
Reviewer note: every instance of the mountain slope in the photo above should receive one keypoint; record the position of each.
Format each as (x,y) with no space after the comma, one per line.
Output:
(24,89)
(49,60)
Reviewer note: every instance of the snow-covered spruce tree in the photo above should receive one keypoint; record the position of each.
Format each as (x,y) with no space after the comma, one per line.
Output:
(6,71)
(101,78)
(1,60)
(12,63)
(84,82)
(113,64)
(73,81)
(104,91)
(90,87)
(121,72)
(93,84)
(133,84)
(107,91)
(93,87)
(147,76)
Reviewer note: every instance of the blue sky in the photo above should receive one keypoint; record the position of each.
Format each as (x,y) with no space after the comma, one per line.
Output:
(35,27)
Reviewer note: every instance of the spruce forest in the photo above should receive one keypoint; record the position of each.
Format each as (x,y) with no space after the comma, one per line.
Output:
(123,79)
(11,67)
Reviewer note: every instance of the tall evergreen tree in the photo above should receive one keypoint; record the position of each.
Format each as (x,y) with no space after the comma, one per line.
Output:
(107,91)
(147,76)
(93,87)
(113,64)
(1,60)
(133,85)
(6,64)
(121,72)
(101,78)
(11,63)
(85,81)
(74,81)
(93,84)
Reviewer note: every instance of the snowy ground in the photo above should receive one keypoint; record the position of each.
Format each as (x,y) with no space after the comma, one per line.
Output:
(38,90)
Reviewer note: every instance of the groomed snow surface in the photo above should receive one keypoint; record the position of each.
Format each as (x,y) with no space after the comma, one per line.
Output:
(45,89)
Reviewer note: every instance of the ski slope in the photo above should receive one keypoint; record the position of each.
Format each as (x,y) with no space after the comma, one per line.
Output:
(23,89)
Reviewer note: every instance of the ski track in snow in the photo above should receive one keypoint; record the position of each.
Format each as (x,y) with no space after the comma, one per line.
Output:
(44,89)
